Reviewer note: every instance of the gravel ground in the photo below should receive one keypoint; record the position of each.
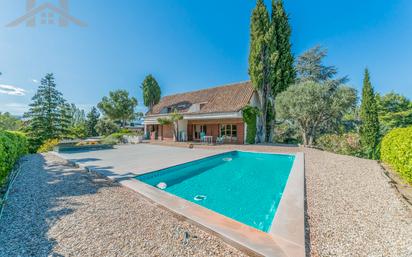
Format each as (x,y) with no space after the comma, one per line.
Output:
(57,210)
(352,210)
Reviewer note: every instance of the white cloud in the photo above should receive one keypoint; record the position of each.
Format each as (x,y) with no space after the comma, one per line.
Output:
(12,90)
(35,81)
(14,108)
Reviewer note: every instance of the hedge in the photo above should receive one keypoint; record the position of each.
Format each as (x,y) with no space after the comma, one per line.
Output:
(12,146)
(396,151)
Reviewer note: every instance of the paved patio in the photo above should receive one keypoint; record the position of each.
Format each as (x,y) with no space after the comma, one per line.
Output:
(130,160)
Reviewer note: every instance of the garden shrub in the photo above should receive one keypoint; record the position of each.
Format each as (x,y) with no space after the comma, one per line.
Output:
(287,133)
(396,151)
(13,145)
(118,137)
(105,127)
(347,144)
(114,138)
(48,145)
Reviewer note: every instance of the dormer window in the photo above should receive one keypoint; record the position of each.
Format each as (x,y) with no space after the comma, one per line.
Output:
(178,107)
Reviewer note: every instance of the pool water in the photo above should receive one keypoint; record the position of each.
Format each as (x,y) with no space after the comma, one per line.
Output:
(244,186)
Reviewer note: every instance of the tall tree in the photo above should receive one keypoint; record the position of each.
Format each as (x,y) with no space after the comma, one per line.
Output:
(369,129)
(394,110)
(259,65)
(118,106)
(77,116)
(151,92)
(91,122)
(313,106)
(310,67)
(282,73)
(47,114)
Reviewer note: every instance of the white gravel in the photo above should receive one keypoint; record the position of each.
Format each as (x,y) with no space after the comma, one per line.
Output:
(57,210)
(54,209)
(353,209)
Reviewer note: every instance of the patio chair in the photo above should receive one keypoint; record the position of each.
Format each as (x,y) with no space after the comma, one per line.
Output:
(202,137)
(219,140)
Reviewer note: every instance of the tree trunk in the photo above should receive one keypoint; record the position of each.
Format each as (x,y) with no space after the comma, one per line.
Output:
(261,124)
(271,131)
(310,140)
(305,138)
(177,131)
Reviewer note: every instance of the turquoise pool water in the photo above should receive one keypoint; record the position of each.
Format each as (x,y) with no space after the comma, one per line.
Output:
(244,186)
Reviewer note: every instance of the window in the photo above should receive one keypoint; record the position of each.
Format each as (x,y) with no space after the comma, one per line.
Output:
(228,132)
(198,129)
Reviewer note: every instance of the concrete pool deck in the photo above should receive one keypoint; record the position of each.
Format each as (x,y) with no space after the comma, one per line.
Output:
(126,161)
(286,236)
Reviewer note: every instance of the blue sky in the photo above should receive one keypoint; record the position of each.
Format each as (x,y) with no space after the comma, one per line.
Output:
(189,45)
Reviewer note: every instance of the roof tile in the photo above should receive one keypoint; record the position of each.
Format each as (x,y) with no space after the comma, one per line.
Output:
(227,98)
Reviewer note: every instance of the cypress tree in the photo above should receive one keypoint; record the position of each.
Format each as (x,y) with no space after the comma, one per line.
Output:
(369,129)
(151,92)
(48,114)
(282,73)
(259,63)
(281,59)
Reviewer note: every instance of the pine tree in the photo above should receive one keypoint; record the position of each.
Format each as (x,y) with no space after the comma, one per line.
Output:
(91,122)
(282,73)
(369,130)
(48,117)
(259,63)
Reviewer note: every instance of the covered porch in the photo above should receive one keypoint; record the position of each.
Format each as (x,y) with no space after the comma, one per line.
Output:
(230,131)
(227,131)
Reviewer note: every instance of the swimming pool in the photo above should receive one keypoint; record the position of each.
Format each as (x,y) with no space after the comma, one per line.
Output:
(244,186)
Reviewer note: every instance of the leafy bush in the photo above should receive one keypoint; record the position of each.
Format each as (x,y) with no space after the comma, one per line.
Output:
(106,127)
(348,144)
(396,151)
(109,141)
(12,146)
(77,131)
(48,145)
(118,137)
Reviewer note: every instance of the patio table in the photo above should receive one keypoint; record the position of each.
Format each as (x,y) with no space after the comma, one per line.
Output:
(208,139)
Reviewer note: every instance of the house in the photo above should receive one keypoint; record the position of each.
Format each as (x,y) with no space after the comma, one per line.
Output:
(135,125)
(215,112)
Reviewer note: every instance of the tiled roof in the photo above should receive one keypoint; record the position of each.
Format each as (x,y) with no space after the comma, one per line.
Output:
(227,98)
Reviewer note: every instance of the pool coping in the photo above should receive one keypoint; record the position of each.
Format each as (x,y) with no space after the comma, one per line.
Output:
(287,233)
